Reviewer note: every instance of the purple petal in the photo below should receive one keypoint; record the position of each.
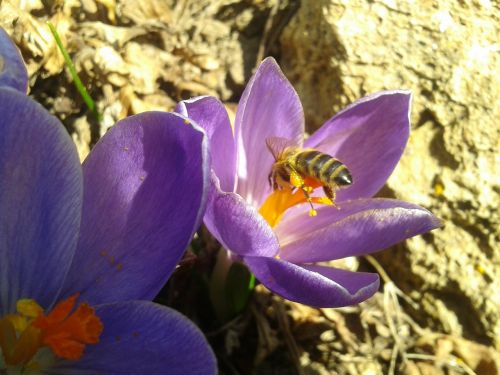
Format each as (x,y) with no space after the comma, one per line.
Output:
(209,113)
(40,201)
(144,338)
(269,107)
(143,199)
(313,285)
(369,138)
(13,72)
(355,228)
(237,225)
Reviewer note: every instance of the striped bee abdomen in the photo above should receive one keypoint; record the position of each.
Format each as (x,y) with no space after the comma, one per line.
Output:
(323,167)
(303,160)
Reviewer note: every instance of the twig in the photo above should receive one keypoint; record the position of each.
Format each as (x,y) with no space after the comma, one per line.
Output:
(388,280)
(224,327)
(394,357)
(451,362)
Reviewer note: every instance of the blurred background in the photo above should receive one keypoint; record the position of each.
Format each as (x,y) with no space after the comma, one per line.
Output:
(438,309)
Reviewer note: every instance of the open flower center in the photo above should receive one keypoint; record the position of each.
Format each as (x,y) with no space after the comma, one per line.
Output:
(64,331)
(281,200)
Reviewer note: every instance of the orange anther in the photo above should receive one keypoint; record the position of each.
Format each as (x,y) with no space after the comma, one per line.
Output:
(67,334)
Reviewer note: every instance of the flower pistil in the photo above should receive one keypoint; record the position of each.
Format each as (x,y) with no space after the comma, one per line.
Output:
(281,200)
(64,330)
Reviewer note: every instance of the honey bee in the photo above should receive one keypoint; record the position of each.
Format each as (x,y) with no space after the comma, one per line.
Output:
(295,166)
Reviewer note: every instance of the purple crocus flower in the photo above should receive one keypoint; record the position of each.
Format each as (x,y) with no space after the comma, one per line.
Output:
(107,233)
(272,232)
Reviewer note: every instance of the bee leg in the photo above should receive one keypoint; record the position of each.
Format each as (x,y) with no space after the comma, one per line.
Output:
(330,193)
(271,177)
(306,190)
(297,181)
(272,180)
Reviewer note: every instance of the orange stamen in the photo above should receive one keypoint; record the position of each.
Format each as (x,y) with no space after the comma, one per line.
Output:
(67,334)
(279,201)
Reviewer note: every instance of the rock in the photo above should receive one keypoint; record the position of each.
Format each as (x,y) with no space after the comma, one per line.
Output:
(445,52)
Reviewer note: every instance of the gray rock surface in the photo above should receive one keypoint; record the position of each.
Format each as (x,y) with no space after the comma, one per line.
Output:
(446,52)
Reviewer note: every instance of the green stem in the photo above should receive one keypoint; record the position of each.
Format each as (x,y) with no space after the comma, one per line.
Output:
(251,283)
(76,79)
(218,286)
(231,286)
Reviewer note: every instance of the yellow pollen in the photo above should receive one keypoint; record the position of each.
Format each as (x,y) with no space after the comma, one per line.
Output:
(324,200)
(313,212)
(296,179)
(28,308)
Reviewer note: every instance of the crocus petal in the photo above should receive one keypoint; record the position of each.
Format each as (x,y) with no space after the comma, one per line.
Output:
(237,225)
(313,285)
(144,338)
(269,107)
(40,201)
(358,227)
(13,72)
(369,138)
(143,199)
(210,114)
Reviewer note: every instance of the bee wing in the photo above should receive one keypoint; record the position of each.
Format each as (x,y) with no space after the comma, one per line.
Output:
(277,144)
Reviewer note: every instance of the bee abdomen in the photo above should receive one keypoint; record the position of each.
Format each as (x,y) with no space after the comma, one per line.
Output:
(332,170)
(323,167)
(304,161)
(342,176)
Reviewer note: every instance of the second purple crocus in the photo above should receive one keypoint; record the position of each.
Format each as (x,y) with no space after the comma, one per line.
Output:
(272,232)
(84,248)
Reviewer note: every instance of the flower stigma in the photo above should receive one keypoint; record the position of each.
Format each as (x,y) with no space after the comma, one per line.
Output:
(30,341)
